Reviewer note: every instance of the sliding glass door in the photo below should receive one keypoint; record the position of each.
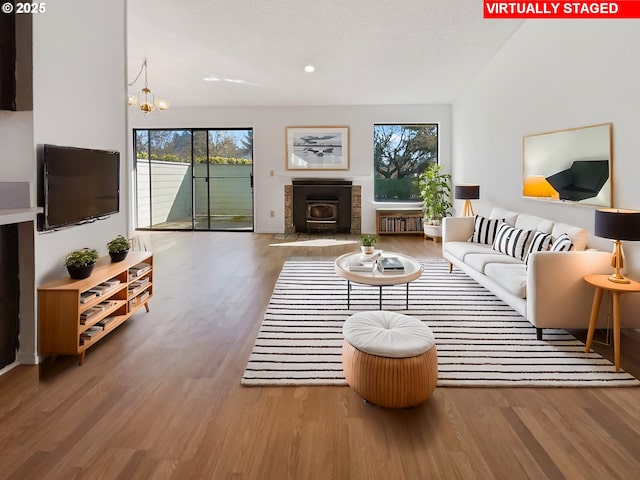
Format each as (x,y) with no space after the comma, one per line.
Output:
(195,179)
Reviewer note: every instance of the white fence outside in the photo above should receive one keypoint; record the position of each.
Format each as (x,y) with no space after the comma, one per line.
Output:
(168,186)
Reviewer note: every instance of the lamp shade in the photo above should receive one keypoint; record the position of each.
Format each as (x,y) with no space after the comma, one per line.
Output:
(467,191)
(617,224)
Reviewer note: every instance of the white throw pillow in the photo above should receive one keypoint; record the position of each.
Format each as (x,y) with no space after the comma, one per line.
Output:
(539,243)
(577,235)
(562,244)
(512,241)
(484,229)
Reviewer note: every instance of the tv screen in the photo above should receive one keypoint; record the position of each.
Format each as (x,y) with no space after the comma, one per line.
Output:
(78,185)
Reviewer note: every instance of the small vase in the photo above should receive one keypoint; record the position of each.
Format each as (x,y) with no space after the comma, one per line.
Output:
(78,273)
(118,256)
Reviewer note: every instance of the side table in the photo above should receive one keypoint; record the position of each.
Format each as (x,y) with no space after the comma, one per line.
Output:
(602,283)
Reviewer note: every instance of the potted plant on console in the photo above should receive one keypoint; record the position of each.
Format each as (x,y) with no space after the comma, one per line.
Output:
(118,248)
(367,243)
(80,263)
(435,190)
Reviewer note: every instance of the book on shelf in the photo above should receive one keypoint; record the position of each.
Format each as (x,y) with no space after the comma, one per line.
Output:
(112,282)
(142,297)
(139,269)
(90,333)
(139,283)
(390,264)
(86,296)
(107,304)
(105,287)
(100,290)
(136,286)
(105,321)
(89,314)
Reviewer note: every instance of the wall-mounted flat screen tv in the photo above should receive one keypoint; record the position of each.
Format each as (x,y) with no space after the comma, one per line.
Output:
(78,185)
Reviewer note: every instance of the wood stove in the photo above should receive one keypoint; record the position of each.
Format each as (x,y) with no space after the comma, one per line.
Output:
(322,204)
(322,215)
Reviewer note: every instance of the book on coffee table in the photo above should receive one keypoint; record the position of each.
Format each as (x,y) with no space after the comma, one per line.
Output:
(390,264)
(361,266)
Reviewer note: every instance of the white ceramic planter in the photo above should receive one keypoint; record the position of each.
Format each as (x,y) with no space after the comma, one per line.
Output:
(367,250)
(433,231)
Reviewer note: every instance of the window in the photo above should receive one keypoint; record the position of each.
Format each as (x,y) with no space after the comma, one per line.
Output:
(400,154)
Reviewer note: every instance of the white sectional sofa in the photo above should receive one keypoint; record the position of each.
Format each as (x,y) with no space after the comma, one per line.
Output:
(548,290)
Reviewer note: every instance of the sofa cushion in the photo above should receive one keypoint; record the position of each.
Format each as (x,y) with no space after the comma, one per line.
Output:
(511,277)
(512,241)
(531,222)
(577,235)
(541,241)
(562,244)
(462,249)
(479,261)
(508,216)
(484,229)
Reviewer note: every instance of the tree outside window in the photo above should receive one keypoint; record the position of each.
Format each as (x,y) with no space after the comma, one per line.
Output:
(400,154)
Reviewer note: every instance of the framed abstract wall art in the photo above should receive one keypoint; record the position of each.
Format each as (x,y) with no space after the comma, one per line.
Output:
(573,165)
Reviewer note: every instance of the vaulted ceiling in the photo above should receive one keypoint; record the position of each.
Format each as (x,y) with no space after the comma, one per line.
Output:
(365,52)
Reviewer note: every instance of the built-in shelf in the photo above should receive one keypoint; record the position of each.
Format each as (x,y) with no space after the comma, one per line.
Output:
(395,221)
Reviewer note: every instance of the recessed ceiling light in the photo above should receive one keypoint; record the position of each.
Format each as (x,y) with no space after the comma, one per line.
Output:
(309,68)
(211,79)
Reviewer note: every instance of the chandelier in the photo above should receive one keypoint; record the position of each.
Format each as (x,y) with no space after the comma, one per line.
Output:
(145,99)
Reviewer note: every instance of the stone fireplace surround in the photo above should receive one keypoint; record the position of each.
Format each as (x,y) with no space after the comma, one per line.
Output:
(356,206)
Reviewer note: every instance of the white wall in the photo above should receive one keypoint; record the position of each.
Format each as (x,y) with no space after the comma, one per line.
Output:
(552,75)
(17,155)
(269,124)
(79,99)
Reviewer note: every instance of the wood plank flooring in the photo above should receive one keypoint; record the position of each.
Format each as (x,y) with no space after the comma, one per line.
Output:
(160,398)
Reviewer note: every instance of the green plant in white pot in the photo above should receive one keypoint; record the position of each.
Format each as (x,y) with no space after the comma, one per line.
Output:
(435,190)
(367,243)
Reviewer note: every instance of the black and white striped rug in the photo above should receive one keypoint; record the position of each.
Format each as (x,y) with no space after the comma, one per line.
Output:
(481,341)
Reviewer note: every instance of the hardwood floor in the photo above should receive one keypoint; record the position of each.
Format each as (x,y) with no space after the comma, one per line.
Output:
(160,398)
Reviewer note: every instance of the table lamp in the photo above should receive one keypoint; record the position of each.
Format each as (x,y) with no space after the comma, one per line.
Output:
(617,224)
(467,192)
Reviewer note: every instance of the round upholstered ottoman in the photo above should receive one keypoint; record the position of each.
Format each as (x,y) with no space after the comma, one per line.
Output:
(389,359)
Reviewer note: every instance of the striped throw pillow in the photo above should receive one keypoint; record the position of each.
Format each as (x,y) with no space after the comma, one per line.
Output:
(562,244)
(540,242)
(512,241)
(484,229)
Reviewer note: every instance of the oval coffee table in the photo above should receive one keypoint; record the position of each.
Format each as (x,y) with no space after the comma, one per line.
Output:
(412,271)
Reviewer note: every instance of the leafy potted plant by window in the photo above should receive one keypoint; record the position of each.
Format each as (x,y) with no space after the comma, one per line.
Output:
(367,243)
(435,190)
(80,263)
(118,248)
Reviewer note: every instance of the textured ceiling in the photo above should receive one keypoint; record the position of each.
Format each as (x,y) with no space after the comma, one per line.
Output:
(366,52)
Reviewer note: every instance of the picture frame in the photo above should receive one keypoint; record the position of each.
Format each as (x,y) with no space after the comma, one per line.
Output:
(317,148)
